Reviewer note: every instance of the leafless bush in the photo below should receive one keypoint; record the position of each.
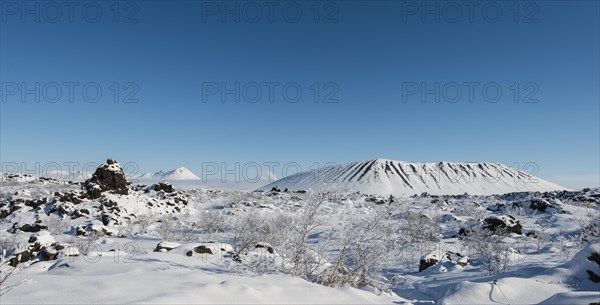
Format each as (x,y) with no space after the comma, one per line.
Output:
(590,228)
(8,244)
(58,226)
(212,222)
(167,228)
(541,235)
(186,233)
(491,248)
(288,234)
(303,262)
(6,272)
(470,209)
(365,245)
(566,244)
(280,228)
(248,229)
(88,243)
(144,222)
(420,229)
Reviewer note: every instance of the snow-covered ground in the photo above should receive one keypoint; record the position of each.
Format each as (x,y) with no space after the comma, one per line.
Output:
(159,244)
(143,276)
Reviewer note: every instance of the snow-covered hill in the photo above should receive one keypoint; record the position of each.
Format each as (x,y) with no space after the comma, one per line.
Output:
(180,173)
(398,178)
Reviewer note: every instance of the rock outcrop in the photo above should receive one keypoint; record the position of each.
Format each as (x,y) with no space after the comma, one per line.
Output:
(108,177)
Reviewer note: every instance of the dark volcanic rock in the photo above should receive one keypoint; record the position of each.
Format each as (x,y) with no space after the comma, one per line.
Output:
(427,261)
(376,199)
(164,186)
(105,219)
(35,203)
(266,246)
(80,213)
(50,252)
(593,277)
(506,222)
(108,177)
(81,231)
(595,257)
(32,228)
(180,199)
(21,257)
(539,204)
(165,246)
(203,249)
(74,197)
(89,229)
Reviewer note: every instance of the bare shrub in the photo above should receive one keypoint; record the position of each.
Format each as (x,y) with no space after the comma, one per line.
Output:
(248,229)
(590,228)
(8,245)
(167,228)
(88,243)
(303,262)
(542,236)
(6,272)
(491,248)
(420,229)
(365,245)
(144,222)
(212,222)
(58,226)
(286,233)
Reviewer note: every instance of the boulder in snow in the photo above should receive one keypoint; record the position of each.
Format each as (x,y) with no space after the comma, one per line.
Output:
(165,246)
(265,246)
(506,222)
(162,186)
(428,261)
(202,249)
(21,257)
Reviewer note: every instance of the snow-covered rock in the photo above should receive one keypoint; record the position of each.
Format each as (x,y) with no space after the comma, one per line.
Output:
(108,177)
(504,222)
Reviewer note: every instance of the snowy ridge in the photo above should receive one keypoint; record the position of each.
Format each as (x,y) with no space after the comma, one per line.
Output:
(398,178)
(180,173)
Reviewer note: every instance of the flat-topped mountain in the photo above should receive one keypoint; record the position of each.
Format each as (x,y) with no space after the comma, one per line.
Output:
(398,178)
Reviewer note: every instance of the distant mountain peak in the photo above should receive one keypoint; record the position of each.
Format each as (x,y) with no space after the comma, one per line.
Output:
(180,173)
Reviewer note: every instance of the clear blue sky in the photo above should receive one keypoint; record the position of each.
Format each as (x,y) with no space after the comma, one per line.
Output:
(369,50)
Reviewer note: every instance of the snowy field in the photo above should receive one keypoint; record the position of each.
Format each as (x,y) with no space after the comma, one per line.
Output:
(106,241)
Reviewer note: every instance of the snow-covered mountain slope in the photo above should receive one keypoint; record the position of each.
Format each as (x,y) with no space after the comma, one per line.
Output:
(180,173)
(398,178)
